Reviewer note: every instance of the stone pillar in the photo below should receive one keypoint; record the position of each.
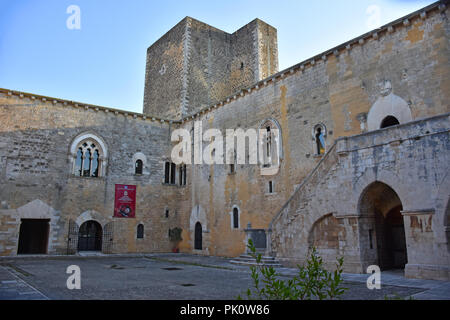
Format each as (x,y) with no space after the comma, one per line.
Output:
(421,250)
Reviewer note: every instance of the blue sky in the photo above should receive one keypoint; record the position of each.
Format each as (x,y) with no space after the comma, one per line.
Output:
(103,62)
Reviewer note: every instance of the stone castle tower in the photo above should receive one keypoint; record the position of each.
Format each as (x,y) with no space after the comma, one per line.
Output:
(194,66)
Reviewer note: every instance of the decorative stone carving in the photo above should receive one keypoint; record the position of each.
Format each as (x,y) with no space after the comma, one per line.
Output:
(385,88)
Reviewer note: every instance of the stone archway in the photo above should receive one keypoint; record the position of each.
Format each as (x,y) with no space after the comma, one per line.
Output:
(382,233)
(325,236)
(90,236)
(388,106)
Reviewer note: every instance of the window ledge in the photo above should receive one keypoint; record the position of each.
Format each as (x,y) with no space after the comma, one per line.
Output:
(174,185)
(169,184)
(273,170)
(318,156)
(87,178)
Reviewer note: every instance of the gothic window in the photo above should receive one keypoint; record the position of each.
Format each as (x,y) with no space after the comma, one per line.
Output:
(88,156)
(319,135)
(270,142)
(140,231)
(139,166)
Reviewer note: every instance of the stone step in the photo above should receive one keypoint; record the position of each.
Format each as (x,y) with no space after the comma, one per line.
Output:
(248,260)
(246,263)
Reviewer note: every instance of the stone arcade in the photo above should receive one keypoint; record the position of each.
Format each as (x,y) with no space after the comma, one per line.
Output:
(362,166)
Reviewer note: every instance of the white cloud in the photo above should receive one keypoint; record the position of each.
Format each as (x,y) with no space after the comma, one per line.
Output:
(373,20)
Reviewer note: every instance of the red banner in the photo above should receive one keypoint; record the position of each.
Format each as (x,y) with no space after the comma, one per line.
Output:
(125,201)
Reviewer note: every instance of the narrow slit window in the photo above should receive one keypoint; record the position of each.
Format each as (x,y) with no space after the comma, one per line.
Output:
(167,172)
(173,170)
(235,218)
(140,231)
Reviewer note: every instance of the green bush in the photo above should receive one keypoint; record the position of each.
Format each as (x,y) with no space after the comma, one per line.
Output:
(311,282)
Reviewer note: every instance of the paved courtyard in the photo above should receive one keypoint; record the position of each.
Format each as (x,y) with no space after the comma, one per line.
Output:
(171,276)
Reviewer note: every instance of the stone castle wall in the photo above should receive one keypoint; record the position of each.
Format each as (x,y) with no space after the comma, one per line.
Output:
(194,74)
(195,65)
(35,138)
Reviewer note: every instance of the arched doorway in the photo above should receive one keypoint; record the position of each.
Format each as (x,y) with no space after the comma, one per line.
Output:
(382,231)
(90,236)
(198,236)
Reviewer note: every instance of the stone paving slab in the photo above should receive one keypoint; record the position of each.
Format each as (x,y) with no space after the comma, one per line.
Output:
(14,288)
(174,276)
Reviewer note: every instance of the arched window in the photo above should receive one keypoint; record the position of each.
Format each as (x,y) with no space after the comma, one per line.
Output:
(270,143)
(319,135)
(139,166)
(235,218)
(88,156)
(170,170)
(268,148)
(140,231)
(389,121)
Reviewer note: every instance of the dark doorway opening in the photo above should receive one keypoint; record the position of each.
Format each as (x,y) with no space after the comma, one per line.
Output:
(33,236)
(198,236)
(386,245)
(90,236)
(394,233)
(389,121)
